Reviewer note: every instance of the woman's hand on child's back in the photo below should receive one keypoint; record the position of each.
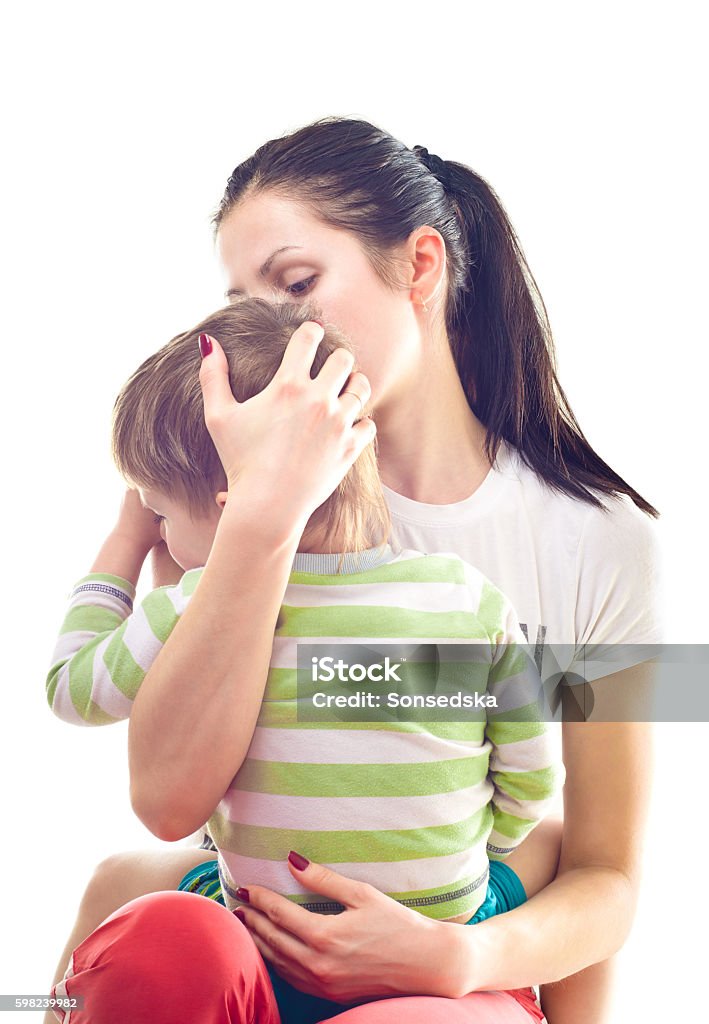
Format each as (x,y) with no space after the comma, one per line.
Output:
(375,948)
(288,447)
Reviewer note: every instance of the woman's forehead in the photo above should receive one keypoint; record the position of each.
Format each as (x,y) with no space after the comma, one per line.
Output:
(257,231)
(264,220)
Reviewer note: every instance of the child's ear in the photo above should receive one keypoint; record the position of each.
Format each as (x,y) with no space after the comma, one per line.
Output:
(220,499)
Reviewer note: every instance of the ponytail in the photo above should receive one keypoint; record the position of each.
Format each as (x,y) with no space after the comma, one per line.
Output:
(503,348)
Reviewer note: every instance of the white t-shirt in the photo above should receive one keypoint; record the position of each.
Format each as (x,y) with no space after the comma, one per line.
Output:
(576,575)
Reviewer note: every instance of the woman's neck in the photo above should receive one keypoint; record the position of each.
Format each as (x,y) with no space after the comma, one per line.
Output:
(431,446)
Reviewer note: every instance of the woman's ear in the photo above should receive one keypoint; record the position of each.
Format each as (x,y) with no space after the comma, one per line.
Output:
(426,253)
(220,499)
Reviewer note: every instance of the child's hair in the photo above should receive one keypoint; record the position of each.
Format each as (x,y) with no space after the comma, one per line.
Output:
(160,439)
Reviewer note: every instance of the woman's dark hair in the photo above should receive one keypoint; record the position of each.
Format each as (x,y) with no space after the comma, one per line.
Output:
(358,178)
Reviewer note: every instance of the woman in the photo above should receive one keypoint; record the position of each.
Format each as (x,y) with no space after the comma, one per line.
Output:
(414,258)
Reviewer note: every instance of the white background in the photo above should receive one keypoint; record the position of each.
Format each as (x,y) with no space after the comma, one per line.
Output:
(121,124)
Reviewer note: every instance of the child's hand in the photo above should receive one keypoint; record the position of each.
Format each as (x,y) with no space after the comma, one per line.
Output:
(166,571)
(290,445)
(125,549)
(137,523)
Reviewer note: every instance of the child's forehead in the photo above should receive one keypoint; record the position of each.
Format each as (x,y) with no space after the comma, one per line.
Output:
(170,505)
(152,497)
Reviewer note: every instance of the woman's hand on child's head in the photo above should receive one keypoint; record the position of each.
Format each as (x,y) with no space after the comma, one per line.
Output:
(289,446)
(376,947)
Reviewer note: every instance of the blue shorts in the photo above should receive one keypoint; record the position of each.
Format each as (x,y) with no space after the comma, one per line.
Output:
(504,892)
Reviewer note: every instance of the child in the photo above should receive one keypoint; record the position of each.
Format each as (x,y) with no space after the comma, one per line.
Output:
(426,811)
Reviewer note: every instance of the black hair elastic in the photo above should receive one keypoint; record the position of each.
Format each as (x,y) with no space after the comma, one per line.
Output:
(437,167)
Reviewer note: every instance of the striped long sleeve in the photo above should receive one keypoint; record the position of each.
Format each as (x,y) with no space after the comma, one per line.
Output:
(105,648)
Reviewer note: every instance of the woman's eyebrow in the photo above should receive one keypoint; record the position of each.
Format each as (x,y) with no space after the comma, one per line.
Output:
(263,269)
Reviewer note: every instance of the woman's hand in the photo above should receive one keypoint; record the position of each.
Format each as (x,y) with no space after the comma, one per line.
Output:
(290,445)
(376,947)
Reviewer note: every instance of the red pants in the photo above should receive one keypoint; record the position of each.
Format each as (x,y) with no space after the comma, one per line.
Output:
(178,958)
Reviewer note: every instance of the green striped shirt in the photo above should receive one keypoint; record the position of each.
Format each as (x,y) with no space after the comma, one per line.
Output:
(415,807)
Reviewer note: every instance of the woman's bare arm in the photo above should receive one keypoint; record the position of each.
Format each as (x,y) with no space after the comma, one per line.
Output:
(623,759)
(194,715)
(585,915)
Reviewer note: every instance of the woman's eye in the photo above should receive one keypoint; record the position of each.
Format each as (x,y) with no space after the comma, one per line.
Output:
(157,519)
(300,287)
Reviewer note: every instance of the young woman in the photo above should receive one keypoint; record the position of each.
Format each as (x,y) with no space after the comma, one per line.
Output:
(414,258)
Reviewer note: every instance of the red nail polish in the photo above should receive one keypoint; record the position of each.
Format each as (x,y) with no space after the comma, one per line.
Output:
(243,895)
(297,861)
(240,914)
(205,345)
